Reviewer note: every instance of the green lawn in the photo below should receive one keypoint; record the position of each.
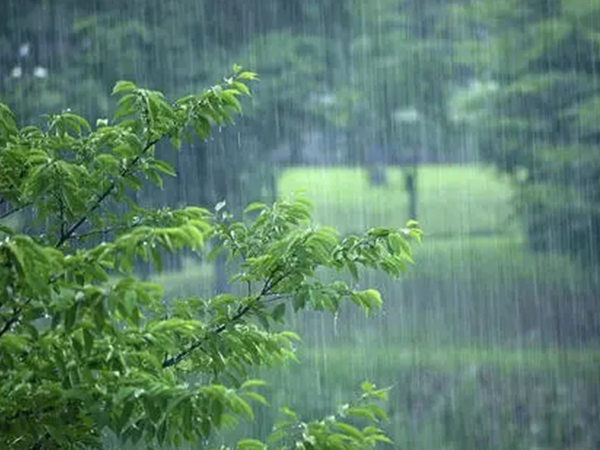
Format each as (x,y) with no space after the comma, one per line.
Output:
(367,362)
(451,199)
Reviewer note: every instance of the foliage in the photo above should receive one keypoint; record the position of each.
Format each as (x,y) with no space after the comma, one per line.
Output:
(86,346)
(335,67)
(539,123)
(455,398)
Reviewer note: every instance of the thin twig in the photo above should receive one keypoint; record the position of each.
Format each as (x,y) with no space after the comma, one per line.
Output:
(276,298)
(269,284)
(103,231)
(67,235)
(14,211)
(61,208)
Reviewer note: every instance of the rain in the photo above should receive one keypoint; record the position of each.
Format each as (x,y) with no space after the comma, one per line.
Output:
(480,119)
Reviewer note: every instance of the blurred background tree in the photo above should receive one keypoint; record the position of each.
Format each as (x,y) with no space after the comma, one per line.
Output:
(540,124)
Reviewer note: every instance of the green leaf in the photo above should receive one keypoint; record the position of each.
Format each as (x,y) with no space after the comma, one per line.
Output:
(349,430)
(123,86)
(125,415)
(256,397)
(353,269)
(383,438)
(241,87)
(161,434)
(254,207)
(214,253)
(367,387)
(70,317)
(361,412)
(374,297)
(278,312)
(247,76)
(88,341)
(164,167)
(250,444)
(253,383)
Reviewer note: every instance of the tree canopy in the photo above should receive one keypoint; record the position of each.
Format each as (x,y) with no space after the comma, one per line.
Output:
(538,119)
(89,348)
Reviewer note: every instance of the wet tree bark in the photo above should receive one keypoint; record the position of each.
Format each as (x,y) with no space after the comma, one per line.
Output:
(410,184)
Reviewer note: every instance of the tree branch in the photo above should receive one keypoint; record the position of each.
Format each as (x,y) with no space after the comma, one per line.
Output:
(73,228)
(242,311)
(9,323)
(102,231)
(14,211)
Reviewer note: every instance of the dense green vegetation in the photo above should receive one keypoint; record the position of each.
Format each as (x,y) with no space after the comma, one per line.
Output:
(88,349)
(540,123)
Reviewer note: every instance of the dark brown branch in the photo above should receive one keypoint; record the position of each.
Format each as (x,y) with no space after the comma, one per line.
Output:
(71,230)
(277,298)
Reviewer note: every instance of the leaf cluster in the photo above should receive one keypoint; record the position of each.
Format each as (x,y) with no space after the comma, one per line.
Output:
(87,347)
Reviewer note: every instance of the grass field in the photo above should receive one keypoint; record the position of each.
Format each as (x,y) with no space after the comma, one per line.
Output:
(451,199)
